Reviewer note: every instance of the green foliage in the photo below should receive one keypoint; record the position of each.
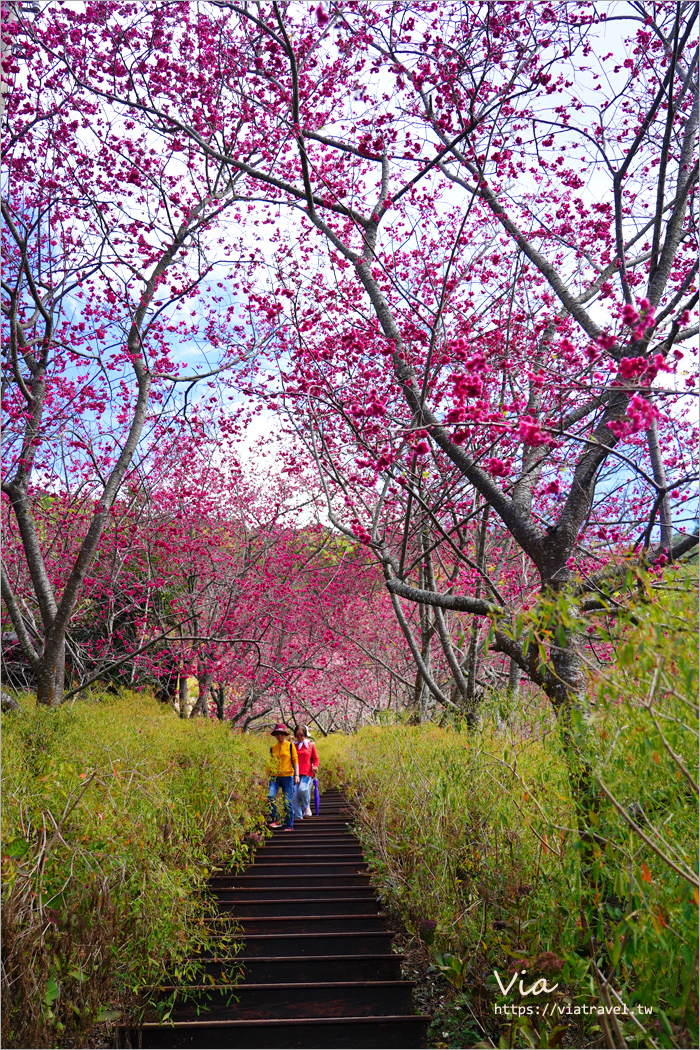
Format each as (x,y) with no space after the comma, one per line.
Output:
(453,968)
(478,832)
(645,720)
(114,813)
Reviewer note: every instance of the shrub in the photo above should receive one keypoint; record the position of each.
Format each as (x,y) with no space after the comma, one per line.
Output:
(475,832)
(114,813)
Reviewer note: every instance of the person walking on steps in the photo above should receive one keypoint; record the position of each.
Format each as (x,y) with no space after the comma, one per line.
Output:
(308,768)
(283,771)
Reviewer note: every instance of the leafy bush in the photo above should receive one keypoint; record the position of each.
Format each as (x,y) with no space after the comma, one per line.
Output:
(473,836)
(114,813)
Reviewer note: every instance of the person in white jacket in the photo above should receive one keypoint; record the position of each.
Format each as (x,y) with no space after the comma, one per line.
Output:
(308,768)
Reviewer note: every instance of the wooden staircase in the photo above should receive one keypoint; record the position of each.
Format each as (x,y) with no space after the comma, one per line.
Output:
(316,958)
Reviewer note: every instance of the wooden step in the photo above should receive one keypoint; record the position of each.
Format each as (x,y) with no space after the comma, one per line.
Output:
(332,823)
(238,893)
(251,1001)
(355,942)
(319,969)
(299,833)
(289,925)
(281,881)
(296,907)
(317,847)
(310,858)
(309,867)
(403,1032)
(309,970)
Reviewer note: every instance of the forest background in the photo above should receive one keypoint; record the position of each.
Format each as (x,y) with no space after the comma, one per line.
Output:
(348,355)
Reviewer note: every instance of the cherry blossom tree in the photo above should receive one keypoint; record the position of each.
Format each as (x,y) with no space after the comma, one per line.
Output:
(329,651)
(533,361)
(106,251)
(480,295)
(205,571)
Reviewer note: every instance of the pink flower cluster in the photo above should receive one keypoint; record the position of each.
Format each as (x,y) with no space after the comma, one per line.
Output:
(642,322)
(640,415)
(466,385)
(375,407)
(459,349)
(644,369)
(361,532)
(631,367)
(530,432)
(500,468)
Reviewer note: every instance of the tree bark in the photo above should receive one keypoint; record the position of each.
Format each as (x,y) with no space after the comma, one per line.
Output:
(202,705)
(514,680)
(183,695)
(51,677)
(665,524)
(220,700)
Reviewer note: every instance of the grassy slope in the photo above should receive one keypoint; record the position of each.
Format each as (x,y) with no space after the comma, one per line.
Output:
(472,841)
(113,812)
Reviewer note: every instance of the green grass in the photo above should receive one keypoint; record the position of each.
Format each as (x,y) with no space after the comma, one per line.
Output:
(114,811)
(476,833)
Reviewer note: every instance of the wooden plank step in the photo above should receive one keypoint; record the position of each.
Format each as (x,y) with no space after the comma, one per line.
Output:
(281,881)
(308,840)
(311,840)
(309,847)
(355,942)
(311,834)
(310,867)
(335,827)
(312,848)
(295,859)
(239,893)
(317,831)
(335,923)
(393,1033)
(319,969)
(295,907)
(331,823)
(310,970)
(260,1001)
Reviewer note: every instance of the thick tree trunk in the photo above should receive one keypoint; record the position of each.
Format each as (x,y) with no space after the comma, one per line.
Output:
(52,670)
(220,699)
(202,705)
(566,692)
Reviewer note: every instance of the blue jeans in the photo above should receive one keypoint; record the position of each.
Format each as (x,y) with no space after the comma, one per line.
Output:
(286,785)
(302,796)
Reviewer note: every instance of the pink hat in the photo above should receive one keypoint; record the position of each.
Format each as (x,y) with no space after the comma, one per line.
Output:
(279,728)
